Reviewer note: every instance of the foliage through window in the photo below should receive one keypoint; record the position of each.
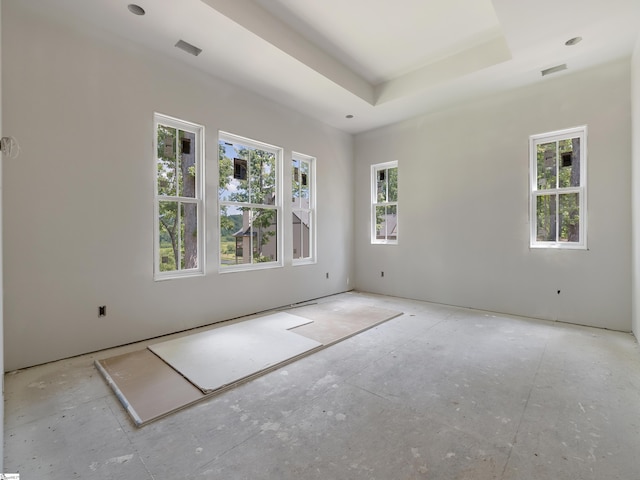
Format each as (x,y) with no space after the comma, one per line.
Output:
(250,203)
(384,203)
(558,189)
(179,197)
(303,208)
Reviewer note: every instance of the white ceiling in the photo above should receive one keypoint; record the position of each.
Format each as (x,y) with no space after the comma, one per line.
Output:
(379,60)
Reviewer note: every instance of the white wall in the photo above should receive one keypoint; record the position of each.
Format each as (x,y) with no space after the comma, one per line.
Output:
(79,222)
(635,97)
(1,275)
(464,228)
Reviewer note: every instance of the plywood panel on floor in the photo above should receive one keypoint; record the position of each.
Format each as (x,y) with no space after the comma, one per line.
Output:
(149,388)
(146,386)
(336,321)
(222,356)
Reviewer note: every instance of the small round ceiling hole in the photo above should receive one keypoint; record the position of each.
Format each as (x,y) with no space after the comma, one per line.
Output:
(136,9)
(573,41)
(348,116)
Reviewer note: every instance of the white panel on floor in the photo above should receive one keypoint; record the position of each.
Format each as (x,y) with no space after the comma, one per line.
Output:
(222,356)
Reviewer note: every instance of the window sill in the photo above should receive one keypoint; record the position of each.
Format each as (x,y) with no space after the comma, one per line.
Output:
(249,267)
(557,246)
(176,275)
(307,261)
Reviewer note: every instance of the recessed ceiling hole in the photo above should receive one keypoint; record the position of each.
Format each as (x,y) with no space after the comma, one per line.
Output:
(187,47)
(348,116)
(573,41)
(136,9)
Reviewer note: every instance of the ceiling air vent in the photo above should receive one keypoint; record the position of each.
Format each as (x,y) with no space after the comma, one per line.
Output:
(187,47)
(557,68)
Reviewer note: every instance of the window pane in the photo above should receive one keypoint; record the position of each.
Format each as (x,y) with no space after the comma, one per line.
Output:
(297,236)
(301,184)
(166,157)
(233,171)
(381,179)
(546,171)
(295,183)
(301,233)
(187,165)
(569,162)
(391,222)
(189,235)
(387,222)
(381,232)
(393,184)
(569,227)
(232,235)
(305,178)
(168,235)
(546,218)
(262,174)
(263,233)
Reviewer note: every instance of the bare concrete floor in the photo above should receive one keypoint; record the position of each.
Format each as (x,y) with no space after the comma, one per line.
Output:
(438,393)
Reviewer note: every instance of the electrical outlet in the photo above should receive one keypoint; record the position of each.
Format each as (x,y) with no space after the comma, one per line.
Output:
(102,311)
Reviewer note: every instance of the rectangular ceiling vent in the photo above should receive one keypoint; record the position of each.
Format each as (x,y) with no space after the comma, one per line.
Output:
(557,68)
(187,47)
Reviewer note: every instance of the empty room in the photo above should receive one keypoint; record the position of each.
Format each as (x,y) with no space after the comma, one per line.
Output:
(279,239)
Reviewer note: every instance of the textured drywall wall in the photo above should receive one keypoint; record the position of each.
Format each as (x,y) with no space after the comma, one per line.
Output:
(464,204)
(79,222)
(1,273)
(635,179)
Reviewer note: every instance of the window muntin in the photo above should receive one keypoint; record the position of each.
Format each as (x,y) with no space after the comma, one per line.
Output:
(303,208)
(384,203)
(179,215)
(558,189)
(250,203)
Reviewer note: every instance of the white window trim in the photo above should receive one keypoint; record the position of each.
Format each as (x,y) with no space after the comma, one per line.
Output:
(198,130)
(278,151)
(312,259)
(374,203)
(534,141)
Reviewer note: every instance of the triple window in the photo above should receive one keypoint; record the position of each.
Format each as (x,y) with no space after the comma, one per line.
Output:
(179,198)
(558,189)
(250,201)
(384,203)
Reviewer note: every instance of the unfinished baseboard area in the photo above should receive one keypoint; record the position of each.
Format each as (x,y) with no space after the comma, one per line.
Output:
(175,374)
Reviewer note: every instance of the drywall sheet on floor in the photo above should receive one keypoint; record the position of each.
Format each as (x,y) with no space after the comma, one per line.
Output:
(146,386)
(335,321)
(149,388)
(216,358)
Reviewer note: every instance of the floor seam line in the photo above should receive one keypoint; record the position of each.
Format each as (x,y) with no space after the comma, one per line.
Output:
(524,410)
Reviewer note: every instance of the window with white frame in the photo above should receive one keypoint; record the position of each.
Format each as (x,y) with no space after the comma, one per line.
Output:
(558,189)
(250,203)
(303,208)
(179,214)
(384,203)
